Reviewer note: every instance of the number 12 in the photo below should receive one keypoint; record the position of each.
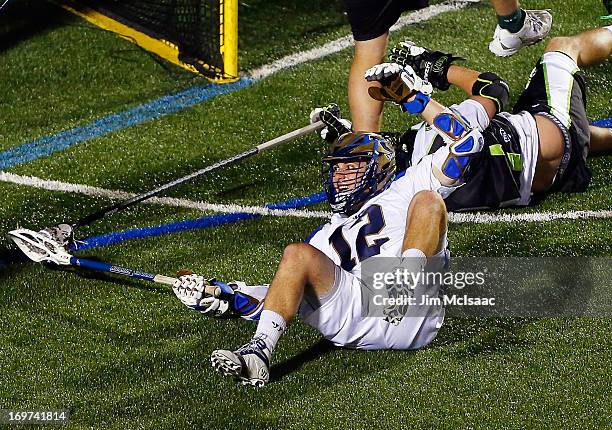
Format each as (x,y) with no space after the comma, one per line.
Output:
(376,222)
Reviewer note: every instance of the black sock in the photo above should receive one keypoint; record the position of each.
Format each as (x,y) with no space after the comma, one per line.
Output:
(513,22)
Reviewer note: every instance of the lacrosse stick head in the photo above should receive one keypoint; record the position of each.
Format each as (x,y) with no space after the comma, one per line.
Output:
(40,246)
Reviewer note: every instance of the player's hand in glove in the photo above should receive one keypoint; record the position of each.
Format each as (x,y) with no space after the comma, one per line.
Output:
(335,125)
(217,298)
(431,66)
(200,294)
(399,84)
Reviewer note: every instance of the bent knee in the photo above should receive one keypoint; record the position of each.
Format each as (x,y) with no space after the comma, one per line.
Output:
(429,201)
(567,45)
(299,252)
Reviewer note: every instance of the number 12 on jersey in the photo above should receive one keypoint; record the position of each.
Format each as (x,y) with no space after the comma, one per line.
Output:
(376,222)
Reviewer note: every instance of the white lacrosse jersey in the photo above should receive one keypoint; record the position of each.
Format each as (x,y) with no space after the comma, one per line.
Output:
(378,228)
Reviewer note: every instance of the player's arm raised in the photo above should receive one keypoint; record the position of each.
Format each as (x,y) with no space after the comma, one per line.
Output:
(402,85)
(437,67)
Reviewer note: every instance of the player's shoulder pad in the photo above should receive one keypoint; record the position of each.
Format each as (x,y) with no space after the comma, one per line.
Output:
(489,85)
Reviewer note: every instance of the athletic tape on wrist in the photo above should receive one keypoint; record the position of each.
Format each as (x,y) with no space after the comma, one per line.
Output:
(418,104)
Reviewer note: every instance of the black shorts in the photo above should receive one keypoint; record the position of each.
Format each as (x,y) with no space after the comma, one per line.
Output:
(494,176)
(372,18)
(493,179)
(557,91)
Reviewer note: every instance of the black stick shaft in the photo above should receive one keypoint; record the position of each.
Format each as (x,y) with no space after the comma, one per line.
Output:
(141,197)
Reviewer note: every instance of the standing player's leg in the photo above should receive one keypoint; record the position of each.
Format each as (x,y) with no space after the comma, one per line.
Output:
(366,113)
(509,15)
(517,27)
(303,270)
(370,23)
(608,6)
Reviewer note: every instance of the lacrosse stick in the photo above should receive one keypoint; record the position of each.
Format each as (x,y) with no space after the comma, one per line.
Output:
(40,247)
(229,161)
(3,4)
(63,233)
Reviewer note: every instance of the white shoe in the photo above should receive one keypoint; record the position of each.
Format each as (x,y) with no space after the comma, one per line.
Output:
(249,363)
(536,27)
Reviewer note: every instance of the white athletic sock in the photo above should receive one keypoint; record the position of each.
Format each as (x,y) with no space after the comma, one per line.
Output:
(608,27)
(413,252)
(270,328)
(416,255)
(414,260)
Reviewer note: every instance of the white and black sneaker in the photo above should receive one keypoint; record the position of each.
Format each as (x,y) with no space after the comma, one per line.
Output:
(250,363)
(536,27)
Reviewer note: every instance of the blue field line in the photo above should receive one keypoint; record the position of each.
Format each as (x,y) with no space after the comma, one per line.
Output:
(159,107)
(217,220)
(203,222)
(606,122)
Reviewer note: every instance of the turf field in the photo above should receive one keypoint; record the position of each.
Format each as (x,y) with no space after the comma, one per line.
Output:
(126,354)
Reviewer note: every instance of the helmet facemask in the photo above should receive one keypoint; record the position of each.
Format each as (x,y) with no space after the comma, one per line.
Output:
(358,166)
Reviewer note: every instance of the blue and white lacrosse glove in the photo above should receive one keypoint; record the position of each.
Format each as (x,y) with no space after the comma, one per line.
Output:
(217,298)
(197,293)
(399,84)
(335,125)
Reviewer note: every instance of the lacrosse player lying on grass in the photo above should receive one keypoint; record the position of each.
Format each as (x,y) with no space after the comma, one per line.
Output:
(377,212)
(541,148)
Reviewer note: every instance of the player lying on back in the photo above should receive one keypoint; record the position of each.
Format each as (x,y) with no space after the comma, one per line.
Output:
(376,213)
(541,148)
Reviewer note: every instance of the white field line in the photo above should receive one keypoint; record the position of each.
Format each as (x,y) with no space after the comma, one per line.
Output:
(347,41)
(284,63)
(455,218)
(87,190)
(260,73)
(490,218)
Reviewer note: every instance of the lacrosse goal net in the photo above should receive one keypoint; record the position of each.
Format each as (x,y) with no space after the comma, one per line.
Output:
(198,35)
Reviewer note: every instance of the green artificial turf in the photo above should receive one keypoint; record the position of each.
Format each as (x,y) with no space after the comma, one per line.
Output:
(125,354)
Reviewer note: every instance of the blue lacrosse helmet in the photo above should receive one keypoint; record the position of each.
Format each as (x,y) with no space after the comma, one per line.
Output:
(358,166)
